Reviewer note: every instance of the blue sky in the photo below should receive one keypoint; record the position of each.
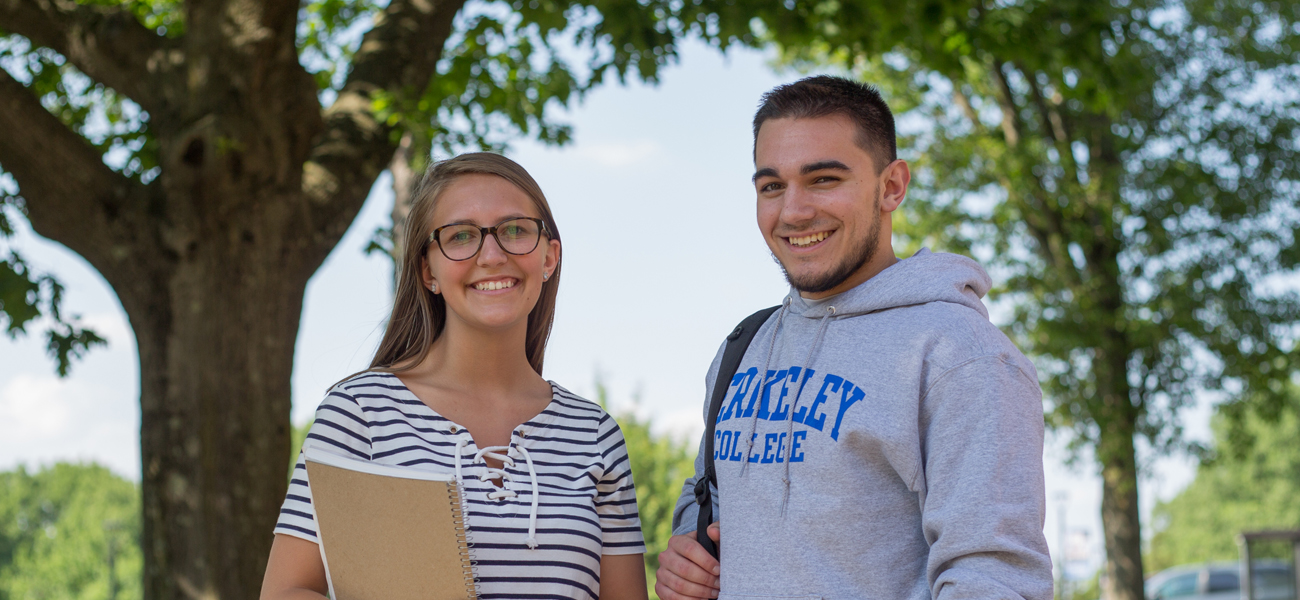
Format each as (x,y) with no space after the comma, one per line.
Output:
(661,258)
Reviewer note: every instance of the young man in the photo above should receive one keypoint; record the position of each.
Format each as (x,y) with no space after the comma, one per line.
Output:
(881,438)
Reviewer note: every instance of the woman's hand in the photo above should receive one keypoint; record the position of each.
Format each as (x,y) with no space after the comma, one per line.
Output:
(295,571)
(622,577)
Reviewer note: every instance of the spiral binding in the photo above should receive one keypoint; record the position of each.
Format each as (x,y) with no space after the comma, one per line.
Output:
(464,541)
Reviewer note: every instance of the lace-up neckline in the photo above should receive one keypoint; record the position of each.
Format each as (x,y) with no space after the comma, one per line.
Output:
(507,490)
(502,453)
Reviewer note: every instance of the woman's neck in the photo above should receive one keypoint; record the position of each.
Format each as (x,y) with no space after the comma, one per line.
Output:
(465,359)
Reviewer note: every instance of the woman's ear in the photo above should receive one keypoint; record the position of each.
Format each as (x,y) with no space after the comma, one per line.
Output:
(552,259)
(426,275)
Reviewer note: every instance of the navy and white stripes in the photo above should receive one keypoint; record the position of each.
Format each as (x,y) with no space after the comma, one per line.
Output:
(587,501)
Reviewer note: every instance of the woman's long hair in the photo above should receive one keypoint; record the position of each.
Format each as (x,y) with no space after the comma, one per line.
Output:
(419,315)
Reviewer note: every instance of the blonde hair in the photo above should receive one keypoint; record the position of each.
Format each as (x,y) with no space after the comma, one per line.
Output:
(419,315)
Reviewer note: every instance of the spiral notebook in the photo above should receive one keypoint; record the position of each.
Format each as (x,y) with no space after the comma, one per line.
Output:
(389,533)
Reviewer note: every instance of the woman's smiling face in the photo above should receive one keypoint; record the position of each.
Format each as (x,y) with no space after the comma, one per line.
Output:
(493,289)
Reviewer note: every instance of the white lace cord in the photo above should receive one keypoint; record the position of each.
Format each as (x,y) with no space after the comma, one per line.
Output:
(762,377)
(495,473)
(460,446)
(532,513)
(505,492)
(789,430)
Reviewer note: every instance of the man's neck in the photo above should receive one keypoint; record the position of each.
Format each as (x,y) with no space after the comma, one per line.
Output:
(880,262)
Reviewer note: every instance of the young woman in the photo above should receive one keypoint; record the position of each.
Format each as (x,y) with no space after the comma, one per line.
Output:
(456,387)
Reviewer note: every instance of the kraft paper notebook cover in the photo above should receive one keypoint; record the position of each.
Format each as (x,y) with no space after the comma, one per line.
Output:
(388,533)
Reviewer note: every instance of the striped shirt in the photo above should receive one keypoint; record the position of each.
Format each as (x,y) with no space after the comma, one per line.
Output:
(586,505)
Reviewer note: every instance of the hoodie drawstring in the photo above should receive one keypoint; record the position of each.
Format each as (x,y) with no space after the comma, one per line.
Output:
(803,378)
(761,378)
(494,452)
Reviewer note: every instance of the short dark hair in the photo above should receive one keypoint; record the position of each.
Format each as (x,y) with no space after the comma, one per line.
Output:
(825,95)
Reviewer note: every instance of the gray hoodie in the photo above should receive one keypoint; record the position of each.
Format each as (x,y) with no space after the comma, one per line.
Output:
(912,466)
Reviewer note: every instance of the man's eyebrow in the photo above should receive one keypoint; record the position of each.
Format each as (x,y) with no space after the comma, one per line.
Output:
(822,165)
(764,172)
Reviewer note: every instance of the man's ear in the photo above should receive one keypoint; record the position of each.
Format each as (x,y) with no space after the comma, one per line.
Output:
(894,179)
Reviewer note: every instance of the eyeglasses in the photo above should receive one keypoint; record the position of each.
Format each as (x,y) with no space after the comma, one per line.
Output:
(461,241)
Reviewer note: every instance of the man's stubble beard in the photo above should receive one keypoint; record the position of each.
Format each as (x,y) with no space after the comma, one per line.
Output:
(854,260)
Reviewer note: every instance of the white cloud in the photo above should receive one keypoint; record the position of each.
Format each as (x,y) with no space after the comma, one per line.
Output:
(619,154)
(33,407)
(45,420)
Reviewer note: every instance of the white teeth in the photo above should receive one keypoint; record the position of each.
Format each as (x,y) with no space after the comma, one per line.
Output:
(487,286)
(809,240)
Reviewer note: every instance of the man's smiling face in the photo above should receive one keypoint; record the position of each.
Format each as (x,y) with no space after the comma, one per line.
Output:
(822,206)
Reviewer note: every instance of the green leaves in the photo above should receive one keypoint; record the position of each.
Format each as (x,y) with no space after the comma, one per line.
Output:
(26,295)
(69,531)
(1250,485)
(328,34)
(113,124)
(660,463)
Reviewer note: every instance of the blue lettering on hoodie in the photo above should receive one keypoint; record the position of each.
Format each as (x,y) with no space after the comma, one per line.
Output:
(845,402)
(753,397)
(779,377)
(782,411)
(811,418)
(743,381)
(796,454)
(773,449)
(768,457)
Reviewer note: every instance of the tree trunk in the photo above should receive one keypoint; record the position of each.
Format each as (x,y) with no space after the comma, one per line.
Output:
(1117,418)
(404,180)
(216,354)
(1119,514)
(211,259)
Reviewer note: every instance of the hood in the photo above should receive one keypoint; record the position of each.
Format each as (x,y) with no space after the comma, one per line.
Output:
(925,277)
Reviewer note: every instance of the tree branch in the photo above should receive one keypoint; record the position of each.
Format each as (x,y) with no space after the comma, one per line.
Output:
(1007,101)
(397,57)
(266,27)
(70,193)
(107,44)
(1053,123)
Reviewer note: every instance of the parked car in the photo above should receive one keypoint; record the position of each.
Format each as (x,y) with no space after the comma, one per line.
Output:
(1274,580)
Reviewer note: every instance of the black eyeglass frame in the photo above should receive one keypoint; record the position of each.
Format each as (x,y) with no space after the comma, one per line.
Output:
(485,231)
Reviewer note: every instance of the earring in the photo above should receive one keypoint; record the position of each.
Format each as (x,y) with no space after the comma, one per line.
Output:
(433,288)
(546,276)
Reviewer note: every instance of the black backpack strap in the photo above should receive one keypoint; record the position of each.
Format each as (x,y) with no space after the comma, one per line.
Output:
(737,343)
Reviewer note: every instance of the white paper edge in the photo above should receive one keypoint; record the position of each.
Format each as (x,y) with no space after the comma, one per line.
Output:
(316,454)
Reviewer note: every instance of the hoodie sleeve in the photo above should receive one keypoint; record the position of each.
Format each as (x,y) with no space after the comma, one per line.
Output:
(981,482)
(686,513)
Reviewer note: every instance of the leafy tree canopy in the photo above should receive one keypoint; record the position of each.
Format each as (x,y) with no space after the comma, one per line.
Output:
(69,531)
(1248,485)
(205,156)
(1127,171)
